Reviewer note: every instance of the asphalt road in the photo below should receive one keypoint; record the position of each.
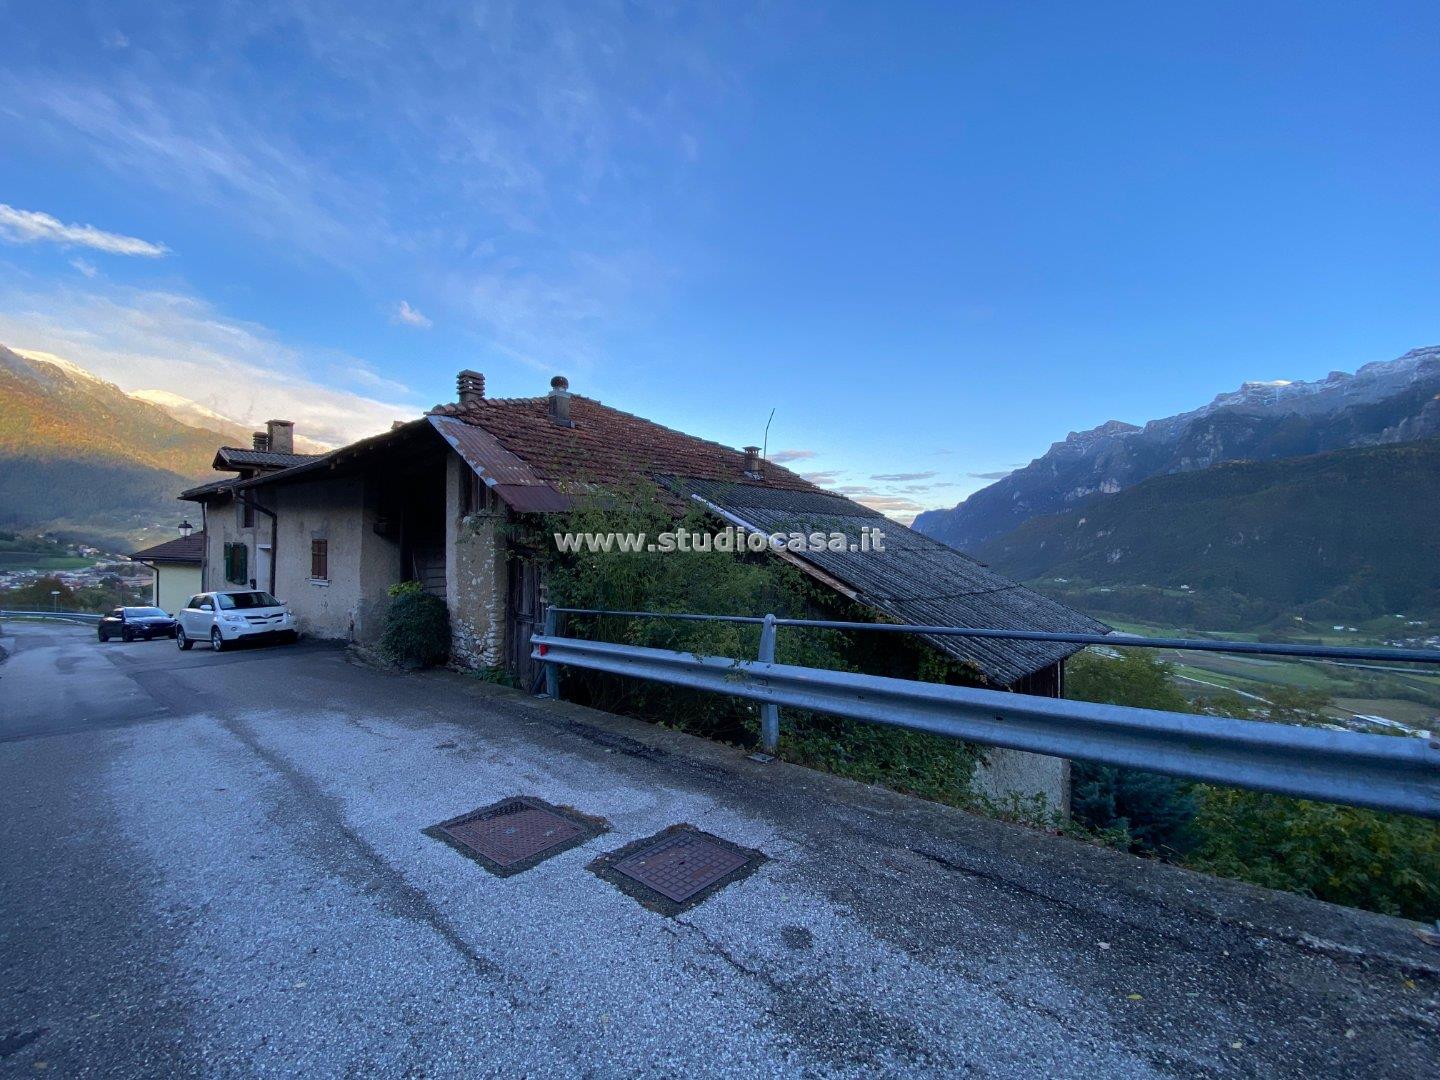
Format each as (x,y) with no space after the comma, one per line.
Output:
(214,864)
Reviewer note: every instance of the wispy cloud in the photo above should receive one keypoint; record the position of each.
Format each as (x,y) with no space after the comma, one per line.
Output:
(823,479)
(34,226)
(171,341)
(780,457)
(902,477)
(408,315)
(362,374)
(206,150)
(998,475)
(85,266)
(523,145)
(895,506)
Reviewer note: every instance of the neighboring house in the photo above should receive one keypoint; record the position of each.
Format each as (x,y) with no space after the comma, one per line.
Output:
(245,555)
(429,500)
(177,566)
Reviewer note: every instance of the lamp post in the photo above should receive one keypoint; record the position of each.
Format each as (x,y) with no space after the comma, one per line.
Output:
(54,599)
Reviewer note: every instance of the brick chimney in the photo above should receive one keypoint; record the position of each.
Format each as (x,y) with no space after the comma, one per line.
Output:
(282,436)
(560,401)
(260,440)
(752,462)
(469,387)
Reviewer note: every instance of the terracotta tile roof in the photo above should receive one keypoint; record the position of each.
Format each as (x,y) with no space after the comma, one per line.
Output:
(607,446)
(182,549)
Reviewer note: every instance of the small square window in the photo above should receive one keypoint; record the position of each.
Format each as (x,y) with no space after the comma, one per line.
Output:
(474,495)
(320,560)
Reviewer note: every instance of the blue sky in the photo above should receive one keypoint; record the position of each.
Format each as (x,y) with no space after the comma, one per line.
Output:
(933,237)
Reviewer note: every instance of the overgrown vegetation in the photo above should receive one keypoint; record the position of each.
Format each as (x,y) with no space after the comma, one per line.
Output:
(1346,855)
(417,628)
(721,583)
(1383,862)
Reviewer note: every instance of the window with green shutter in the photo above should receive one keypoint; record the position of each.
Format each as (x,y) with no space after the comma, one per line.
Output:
(237,564)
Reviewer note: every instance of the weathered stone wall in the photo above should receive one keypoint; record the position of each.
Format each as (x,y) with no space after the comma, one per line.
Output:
(476,574)
(348,604)
(1018,773)
(223,526)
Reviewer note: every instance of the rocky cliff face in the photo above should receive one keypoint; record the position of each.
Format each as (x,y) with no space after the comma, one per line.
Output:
(1387,402)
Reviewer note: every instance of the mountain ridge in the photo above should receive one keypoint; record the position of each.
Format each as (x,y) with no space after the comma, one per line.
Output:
(1345,534)
(81,458)
(1388,401)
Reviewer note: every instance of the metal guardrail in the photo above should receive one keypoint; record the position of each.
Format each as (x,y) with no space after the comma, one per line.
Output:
(1251,648)
(1382,772)
(70,616)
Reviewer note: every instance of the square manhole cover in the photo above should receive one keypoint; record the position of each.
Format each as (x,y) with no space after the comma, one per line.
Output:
(515,834)
(677,868)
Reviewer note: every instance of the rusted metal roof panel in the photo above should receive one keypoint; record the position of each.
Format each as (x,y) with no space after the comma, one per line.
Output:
(485,455)
(532,499)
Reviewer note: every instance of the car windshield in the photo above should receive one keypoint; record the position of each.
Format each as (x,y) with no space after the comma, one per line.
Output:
(146,612)
(246,600)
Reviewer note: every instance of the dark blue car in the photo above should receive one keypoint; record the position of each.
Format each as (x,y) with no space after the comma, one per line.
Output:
(132,623)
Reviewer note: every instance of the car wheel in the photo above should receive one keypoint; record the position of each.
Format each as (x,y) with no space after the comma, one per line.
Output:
(126,635)
(104,636)
(217,642)
(181,640)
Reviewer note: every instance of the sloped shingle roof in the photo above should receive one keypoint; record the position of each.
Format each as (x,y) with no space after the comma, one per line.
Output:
(242,457)
(914,579)
(182,549)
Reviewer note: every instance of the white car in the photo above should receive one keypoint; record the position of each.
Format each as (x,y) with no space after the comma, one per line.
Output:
(223,618)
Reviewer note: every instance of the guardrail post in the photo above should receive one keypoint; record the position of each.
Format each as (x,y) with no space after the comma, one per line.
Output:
(552,671)
(769,714)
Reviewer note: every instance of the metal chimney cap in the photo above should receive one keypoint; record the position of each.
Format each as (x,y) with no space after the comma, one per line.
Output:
(559,382)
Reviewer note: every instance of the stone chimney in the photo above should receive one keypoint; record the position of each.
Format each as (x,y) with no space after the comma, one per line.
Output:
(260,440)
(469,387)
(282,436)
(752,462)
(560,401)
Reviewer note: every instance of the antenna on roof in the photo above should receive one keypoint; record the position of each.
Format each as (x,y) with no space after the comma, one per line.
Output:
(765,442)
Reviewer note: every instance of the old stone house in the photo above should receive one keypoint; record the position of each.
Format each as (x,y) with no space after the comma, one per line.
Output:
(428,501)
(433,500)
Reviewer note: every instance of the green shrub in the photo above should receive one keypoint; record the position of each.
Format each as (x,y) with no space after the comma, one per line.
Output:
(722,583)
(1344,854)
(1153,813)
(417,629)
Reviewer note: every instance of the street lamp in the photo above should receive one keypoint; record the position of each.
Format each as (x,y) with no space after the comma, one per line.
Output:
(186,528)
(54,599)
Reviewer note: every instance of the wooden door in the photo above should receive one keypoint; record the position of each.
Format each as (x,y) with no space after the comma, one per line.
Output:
(525,613)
